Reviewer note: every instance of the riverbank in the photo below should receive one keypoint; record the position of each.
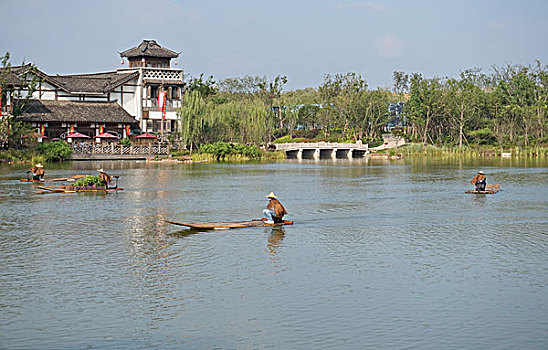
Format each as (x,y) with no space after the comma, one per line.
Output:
(31,156)
(419,149)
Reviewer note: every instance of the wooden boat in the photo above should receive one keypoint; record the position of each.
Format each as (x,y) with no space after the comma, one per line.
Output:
(78,189)
(223,225)
(489,189)
(72,178)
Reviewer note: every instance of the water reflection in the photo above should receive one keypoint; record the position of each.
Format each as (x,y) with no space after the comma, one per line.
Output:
(479,200)
(275,239)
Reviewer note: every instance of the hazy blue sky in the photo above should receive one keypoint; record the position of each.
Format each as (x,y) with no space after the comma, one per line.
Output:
(303,39)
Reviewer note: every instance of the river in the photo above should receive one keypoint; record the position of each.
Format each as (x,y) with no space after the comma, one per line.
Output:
(383,255)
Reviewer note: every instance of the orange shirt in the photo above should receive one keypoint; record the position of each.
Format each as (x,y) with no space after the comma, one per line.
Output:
(37,171)
(276,207)
(477,178)
(106,178)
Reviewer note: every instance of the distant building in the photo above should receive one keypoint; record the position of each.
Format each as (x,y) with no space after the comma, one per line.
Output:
(121,102)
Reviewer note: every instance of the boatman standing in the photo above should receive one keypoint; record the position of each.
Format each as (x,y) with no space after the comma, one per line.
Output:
(274,211)
(38,172)
(479,181)
(106,178)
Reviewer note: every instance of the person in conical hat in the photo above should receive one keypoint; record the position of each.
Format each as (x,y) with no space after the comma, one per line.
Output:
(106,178)
(480,181)
(38,172)
(274,211)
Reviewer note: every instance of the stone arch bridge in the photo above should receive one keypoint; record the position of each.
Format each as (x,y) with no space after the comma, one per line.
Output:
(323,150)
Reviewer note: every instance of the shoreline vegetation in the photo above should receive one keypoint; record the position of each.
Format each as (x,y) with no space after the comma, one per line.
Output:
(500,113)
(31,156)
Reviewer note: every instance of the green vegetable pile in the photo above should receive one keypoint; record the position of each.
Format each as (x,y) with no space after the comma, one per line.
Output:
(89,181)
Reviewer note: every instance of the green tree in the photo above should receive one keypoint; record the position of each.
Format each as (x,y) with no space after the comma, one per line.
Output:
(350,110)
(204,87)
(16,84)
(55,151)
(272,94)
(425,105)
(464,100)
(330,89)
(375,113)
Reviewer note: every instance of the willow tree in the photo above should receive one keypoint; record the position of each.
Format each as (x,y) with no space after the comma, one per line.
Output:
(196,117)
(254,122)
(242,120)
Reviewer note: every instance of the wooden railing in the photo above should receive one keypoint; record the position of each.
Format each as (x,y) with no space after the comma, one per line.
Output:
(112,149)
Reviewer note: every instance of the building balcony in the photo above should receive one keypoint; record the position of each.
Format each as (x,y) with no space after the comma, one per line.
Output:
(152,104)
(159,75)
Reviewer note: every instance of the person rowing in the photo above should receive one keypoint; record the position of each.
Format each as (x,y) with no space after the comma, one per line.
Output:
(274,211)
(479,181)
(38,172)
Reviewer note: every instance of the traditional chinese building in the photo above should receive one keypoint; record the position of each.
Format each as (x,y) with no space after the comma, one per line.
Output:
(119,102)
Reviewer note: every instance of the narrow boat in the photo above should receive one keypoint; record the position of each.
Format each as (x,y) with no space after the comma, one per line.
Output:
(69,179)
(73,189)
(223,225)
(489,189)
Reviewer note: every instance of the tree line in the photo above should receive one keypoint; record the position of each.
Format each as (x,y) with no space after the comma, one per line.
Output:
(505,108)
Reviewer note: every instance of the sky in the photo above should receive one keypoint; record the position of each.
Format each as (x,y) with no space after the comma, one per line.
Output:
(301,39)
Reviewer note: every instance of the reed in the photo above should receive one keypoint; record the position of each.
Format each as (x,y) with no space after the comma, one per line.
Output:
(419,149)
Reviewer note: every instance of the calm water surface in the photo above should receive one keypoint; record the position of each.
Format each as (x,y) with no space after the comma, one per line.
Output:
(383,255)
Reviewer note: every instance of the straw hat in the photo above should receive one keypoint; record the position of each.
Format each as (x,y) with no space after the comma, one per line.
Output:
(271,195)
(481,172)
(39,165)
(100,170)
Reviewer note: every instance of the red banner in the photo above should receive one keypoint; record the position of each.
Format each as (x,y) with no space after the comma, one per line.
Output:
(164,106)
(162,102)
(101,129)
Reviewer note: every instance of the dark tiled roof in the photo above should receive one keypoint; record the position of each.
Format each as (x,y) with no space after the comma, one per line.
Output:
(12,75)
(75,111)
(149,48)
(98,83)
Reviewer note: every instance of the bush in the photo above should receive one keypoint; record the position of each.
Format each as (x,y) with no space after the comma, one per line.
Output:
(54,151)
(222,149)
(125,141)
(283,139)
(248,151)
(219,149)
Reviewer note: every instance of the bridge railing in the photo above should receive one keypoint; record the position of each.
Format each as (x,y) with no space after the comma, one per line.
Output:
(327,145)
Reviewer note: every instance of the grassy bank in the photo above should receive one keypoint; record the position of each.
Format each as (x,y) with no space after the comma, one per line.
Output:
(419,149)
(238,157)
